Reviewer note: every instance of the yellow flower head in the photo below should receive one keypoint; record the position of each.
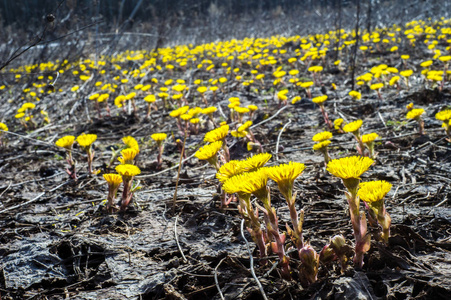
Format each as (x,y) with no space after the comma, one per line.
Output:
(159,137)
(255,162)
(179,111)
(28,105)
(113,180)
(355,95)
(426,64)
(229,170)
(127,171)
(130,142)
(150,98)
(351,167)
(208,151)
(217,134)
(285,175)
(245,126)
(443,115)
(252,107)
(249,183)
(370,137)
(373,191)
(238,134)
(319,99)
(377,86)
(322,136)
(337,123)
(209,110)
(406,73)
(353,126)
(4,127)
(241,110)
(128,156)
(415,113)
(86,140)
(321,145)
(409,106)
(66,142)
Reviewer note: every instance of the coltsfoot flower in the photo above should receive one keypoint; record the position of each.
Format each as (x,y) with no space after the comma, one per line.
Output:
(353,126)
(323,147)
(66,142)
(373,194)
(368,140)
(349,169)
(255,162)
(128,156)
(128,172)
(86,141)
(217,134)
(415,114)
(208,153)
(114,181)
(322,136)
(285,175)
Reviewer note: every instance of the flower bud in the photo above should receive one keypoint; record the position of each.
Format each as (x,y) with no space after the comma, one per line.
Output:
(310,261)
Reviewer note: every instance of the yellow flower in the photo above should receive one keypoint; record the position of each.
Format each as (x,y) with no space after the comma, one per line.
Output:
(256,161)
(159,137)
(128,156)
(19,115)
(238,134)
(113,179)
(415,113)
(202,89)
(179,111)
(322,136)
(194,120)
(249,183)
(28,105)
(229,170)
(355,95)
(150,98)
(337,123)
(351,167)
(65,142)
(186,117)
(209,110)
(4,127)
(321,145)
(285,175)
(128,171)
(252,107)
(373,191)
(443,115)
(353,126)
(241,110)
(245,126)
(208,151)
(394,80)
(376,86)
(426,64)
(306,85)
(217,134)
(86,140)
(406,73)
(319,99)
(130,142)
(367,138)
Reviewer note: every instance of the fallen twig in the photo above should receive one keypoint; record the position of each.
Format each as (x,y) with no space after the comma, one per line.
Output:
(251,260)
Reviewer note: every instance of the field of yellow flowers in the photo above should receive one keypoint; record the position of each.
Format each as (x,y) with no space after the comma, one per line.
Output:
(265,168)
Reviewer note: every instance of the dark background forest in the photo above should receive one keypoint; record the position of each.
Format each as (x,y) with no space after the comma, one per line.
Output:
(104,26)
